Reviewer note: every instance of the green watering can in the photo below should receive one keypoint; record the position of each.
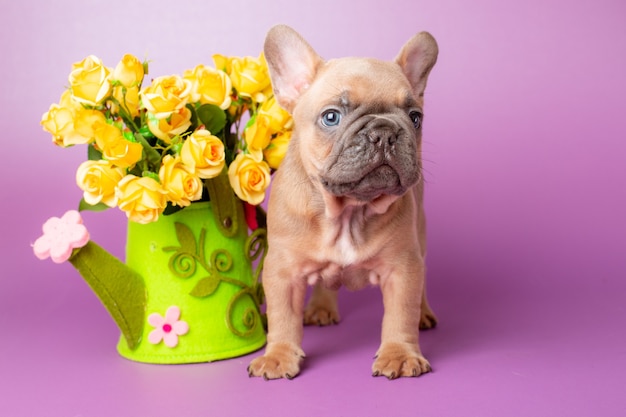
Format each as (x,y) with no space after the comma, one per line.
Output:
(189,290)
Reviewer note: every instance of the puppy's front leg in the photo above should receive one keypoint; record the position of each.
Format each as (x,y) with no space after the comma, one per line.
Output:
(285,306)
(399,353)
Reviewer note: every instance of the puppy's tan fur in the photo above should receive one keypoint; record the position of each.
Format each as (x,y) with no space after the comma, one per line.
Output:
(371,233)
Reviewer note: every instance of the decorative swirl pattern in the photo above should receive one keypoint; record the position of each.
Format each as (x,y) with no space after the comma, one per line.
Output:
(251,317)
(221,260)
(183,264)
(191,253)
(256,245)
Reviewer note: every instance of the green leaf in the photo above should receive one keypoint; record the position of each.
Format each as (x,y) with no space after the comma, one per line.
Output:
(92,153)
(144,130)
(205,287)
(186,238)
(212,117)
(176,148)
(152,175)
(128,135)
(85,206)
(194,117)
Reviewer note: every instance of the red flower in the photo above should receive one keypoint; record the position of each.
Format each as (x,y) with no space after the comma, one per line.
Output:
(250,211)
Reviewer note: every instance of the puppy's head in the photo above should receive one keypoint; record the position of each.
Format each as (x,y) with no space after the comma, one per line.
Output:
(357,120)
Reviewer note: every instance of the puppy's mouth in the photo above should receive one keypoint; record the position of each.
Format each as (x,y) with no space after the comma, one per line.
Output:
(382,180)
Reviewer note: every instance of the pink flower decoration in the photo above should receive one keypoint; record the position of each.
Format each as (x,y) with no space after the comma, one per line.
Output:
(61,237)
(168,328)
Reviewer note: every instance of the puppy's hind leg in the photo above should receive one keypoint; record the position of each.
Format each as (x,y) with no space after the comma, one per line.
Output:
(428,319)
(322,309)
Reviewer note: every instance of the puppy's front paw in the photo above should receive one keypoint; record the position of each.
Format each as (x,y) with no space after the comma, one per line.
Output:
(281,360)
(394,360)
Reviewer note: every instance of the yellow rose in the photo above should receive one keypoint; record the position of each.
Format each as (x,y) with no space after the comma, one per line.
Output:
(128,99)
(275,153)
(280,119)
(98,180)
(209,86)
(181,185)
(90,81)
(250,77)
(70,123)
(204,154)
(165,129)
(59,122)
(85,121)
(257,135)
(166,95)
(249,178)
(115,148)
(141,198)
(129,71)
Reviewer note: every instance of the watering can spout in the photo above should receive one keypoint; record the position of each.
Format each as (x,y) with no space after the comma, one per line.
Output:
(119,288)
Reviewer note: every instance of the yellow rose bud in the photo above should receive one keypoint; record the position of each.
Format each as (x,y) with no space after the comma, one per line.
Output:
(275,152)
(223,63)
(257,135)
(90,81)
(128,99)
(141,198)
(249,178)
(98,180)
(115,148)
(165,129)
(204,154)
(250,77)
(67,101)
(181,185)
(166,95)
(280,119)
(129,71)
(209,86)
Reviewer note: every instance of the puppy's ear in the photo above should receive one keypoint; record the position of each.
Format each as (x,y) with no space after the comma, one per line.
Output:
(416,58)
(292,64)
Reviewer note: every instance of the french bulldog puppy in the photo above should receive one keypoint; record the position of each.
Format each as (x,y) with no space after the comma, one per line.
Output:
(346,203)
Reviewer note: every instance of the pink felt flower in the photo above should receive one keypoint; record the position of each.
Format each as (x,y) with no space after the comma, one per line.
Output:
(168,328)
(61,237)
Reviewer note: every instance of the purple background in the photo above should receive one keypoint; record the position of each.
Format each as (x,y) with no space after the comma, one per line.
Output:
(525,155)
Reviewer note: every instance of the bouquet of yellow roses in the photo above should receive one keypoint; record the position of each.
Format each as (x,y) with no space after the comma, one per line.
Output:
(151,147)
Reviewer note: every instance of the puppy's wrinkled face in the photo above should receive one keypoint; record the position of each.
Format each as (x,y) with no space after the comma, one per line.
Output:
(362,123)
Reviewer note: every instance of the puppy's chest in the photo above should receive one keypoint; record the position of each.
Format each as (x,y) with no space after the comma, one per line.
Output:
(345,257)
(344,240)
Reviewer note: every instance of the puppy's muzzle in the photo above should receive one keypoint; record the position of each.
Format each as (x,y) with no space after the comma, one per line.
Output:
(379,158)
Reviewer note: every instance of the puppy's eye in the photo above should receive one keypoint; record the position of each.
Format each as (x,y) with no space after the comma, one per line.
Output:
(331,118)
(416,118)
